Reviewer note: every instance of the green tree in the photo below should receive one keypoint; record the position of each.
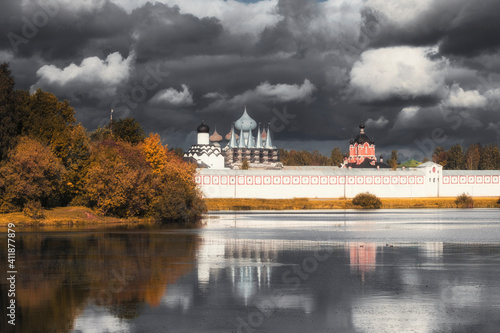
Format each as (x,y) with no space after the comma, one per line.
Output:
(128,130)
(472,157)
(31,172)
(455,158)
(9,117)
(336,157)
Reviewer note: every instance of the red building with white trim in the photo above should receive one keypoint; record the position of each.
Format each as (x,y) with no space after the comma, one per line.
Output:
(362,152)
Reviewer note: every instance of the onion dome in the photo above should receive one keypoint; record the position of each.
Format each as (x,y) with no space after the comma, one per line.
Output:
(215,137)
(228,136)
(245,123)
(203,128)
(361,138)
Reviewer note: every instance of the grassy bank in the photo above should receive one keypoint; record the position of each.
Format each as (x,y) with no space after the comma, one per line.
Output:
(82,216)
(66,216)
(290,204)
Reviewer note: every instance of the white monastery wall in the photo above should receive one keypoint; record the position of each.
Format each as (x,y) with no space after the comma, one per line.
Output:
(327,182)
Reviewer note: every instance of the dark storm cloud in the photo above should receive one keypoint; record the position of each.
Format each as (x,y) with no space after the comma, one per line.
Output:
(56,33)
(461,28)
(309,71)
(162,31)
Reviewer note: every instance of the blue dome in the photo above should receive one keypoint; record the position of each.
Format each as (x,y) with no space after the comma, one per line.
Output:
(245,123)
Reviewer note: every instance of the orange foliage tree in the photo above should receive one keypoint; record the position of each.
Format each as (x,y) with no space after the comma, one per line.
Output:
(31,172)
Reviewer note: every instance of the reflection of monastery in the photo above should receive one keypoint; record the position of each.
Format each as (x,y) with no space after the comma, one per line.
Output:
(220,175)
(221,260)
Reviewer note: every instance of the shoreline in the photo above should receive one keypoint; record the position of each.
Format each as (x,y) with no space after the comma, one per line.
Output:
(305,204)
(84,217)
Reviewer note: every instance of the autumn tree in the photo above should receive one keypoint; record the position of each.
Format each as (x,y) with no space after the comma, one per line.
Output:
(472,157)
(393,161)
(128,130)
(9,117)
(72,147)
(336,157)
(141,180)
(176,196)
(455,158)
(245,165)
(118,179)
(45,117)
(490,158)
(155,152)
(303,158)
(31,172)
(439,156)
(101,133)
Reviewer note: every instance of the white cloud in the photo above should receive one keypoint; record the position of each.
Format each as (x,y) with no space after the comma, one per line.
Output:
(174,97)
(286,92)
(493,96)
(406,117)
(75,6)
(401,72)
(5,56)
(379,123)
(459,98)
(213,95)
(94,76)
(264,94)
(401,12)
(236,16)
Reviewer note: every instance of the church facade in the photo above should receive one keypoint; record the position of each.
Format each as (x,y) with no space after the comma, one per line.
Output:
(362,152)
(258,150)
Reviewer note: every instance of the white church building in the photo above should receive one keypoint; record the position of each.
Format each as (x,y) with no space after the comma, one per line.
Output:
(258,150)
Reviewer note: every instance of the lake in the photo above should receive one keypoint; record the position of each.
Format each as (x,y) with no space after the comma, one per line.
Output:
(426,270)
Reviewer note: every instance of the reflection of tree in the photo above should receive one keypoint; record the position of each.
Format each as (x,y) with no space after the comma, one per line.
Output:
(58,275)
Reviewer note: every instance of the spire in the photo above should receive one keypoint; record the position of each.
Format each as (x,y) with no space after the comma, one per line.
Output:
(241,144)
(264,135)
(251,141)
(232,141)
(269,143)
(259,138)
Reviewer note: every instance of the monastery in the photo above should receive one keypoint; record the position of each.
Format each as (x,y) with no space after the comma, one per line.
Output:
(220,175)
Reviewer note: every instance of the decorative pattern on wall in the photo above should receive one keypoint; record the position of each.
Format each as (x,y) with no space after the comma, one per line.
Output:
(472,179)
(311,180)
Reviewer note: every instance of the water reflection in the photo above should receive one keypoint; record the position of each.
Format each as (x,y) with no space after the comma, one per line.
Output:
(65,276)
(309,273)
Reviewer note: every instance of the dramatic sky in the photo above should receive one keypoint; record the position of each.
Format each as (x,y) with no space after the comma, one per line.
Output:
(420,73)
